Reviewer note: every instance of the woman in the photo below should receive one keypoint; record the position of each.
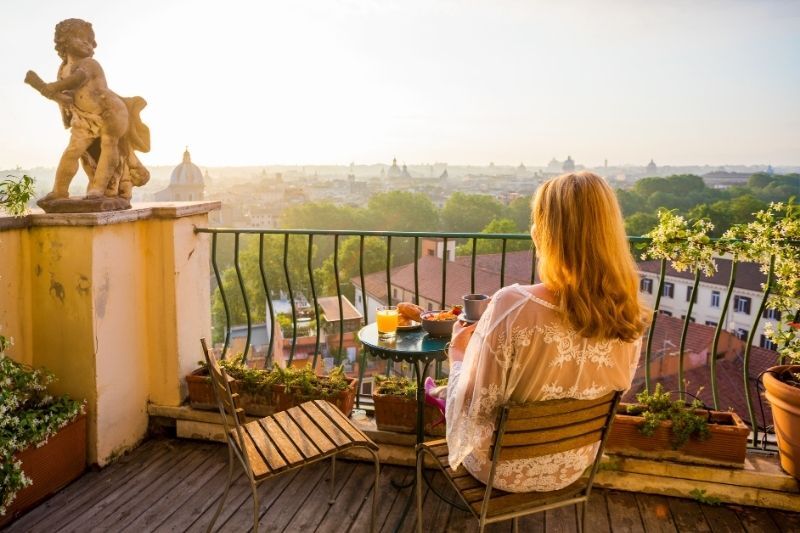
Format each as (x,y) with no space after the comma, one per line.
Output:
(575,335)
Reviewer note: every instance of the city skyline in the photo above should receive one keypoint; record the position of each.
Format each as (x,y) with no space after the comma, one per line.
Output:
(327,83)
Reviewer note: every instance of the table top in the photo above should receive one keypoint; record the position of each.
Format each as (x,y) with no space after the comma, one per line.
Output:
(406,345)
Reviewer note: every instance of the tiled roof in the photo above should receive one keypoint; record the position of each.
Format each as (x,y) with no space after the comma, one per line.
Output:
(748,275)
(487,276)
(330,308)
(729,369)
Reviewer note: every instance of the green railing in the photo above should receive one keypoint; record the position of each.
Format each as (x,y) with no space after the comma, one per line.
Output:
(309,237)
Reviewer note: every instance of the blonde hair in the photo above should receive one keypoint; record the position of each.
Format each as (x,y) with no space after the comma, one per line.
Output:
(584,256)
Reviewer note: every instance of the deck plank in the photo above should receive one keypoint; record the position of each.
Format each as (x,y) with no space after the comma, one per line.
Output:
(655,513)
(169,485)
(722,519)
(623,512)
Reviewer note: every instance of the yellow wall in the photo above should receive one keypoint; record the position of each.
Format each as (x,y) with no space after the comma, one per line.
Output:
(115,310)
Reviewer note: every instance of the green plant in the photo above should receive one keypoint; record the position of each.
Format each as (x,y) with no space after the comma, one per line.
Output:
(15,194)
(773,241)
(399,385)
(699,495)
(686,245)
(658,406)
(28,417)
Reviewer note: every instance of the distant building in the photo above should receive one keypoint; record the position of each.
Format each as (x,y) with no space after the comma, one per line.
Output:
(405,172)
(569,165)
(652,169)
(394,170)
(186,183)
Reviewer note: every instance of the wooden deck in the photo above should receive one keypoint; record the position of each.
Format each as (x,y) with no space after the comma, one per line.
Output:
(172,485)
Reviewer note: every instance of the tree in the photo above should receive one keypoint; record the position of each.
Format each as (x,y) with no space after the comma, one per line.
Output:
(349,265)
(495,246)
(470,212)
(630,202)
(401,211)
(640,223)
(519,210)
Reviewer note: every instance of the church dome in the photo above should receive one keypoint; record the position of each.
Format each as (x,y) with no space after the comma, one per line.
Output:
(187,173)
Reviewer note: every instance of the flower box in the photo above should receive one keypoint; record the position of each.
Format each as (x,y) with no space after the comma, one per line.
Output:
(201,395)
(291,397)
(726,444)
(399,414)
(50,467)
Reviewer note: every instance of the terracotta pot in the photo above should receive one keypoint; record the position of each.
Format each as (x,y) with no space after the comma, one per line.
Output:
(51,467)
(726,444)
(201,393)
(258,403)
(344,400)
(785,402)
(399,414)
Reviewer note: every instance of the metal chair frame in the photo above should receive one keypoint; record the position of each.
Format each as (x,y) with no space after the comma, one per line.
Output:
(230,403)
(578,498)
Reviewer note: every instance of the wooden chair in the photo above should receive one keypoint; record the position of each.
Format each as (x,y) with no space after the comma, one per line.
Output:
(524,431)
(284,441)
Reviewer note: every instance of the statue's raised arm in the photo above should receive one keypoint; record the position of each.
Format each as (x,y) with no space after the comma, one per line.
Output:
(105,128)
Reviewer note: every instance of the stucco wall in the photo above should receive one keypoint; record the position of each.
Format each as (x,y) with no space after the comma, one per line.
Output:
(114,304)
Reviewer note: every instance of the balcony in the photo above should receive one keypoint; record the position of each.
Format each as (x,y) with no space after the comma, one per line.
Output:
(162,288)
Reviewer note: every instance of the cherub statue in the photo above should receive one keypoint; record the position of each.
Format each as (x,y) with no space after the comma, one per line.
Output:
(105,128)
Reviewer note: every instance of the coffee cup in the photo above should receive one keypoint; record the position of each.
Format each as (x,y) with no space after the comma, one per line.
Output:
(474,306)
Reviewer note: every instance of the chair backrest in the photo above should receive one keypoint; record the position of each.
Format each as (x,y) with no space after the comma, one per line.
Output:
(542,428)
(227,400)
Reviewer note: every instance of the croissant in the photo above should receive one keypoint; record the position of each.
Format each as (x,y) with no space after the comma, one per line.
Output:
(410,310)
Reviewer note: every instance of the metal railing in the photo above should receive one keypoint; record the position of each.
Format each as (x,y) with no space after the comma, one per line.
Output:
(309,237)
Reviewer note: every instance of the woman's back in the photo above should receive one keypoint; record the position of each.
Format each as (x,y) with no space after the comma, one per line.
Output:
(523,351)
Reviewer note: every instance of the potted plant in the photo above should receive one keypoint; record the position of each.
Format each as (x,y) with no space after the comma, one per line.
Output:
(395,400)
(42,438)
(254,386)
(773,240)
(661,428)
(295,386)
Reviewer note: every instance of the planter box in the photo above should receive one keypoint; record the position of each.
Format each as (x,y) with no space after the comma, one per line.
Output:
(344,400)
(201,396)
(201,393)
(51,467)
(726,444)
(399,414)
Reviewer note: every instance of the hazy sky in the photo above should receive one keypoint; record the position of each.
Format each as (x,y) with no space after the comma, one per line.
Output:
(326,81)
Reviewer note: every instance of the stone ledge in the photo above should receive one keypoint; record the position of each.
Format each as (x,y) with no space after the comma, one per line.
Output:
(760,483)
(139,211)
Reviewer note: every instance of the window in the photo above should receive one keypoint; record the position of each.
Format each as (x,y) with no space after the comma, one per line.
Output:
(742,334)
(689,294)
(766,343)
(691,319)
(772,313)
(430,306)
(741,304)
(714,298)
(646,285)
(669,290)
(394,294)
(711,323)
(665,313)
(431,252)
(366,387)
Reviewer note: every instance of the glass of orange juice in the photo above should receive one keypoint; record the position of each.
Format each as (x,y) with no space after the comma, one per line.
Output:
(386,317)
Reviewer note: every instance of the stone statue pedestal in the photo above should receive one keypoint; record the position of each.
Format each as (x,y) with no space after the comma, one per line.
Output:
(114,304)
(76,204)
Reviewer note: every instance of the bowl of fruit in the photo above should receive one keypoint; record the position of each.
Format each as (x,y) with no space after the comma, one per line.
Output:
(440,323)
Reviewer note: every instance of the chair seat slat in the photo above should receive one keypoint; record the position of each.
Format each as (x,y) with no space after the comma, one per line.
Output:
(330,429)
(342,421)
(308,427)
(282,442)
(265,446)
(512,502)
(300,440)
(257,463)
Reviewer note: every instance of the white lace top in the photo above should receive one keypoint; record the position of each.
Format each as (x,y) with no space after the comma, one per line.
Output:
(521,351)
